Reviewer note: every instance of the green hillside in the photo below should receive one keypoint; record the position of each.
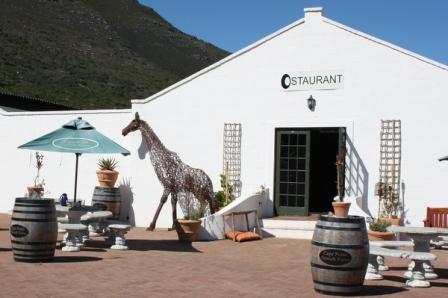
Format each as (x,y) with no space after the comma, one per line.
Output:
(93,53)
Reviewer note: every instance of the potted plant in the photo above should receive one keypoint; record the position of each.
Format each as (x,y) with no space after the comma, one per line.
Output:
(340,207)
(224,196)
(188,228)
(378,230)
(38,189)
(107,176)
(389,205)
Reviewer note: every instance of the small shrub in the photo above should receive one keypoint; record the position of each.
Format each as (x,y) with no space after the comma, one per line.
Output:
(224,196)
(379,225)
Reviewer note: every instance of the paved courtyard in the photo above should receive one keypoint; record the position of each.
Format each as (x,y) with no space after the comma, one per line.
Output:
(157,265)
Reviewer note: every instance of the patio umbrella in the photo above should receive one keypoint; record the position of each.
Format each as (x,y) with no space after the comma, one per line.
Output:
(76,136)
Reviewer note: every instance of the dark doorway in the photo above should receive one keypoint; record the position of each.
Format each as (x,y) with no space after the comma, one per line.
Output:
(305,170)
(324,146)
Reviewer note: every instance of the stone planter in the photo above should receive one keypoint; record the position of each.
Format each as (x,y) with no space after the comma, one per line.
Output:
(107,178)
(341,208)
(187,230)
(380,236)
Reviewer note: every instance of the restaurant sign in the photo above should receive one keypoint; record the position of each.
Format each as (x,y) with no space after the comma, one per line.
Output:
(312,80)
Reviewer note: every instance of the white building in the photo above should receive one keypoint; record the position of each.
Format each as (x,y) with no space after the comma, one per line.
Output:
(356,80)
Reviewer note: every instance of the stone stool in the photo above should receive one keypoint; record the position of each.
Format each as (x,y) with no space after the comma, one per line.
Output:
(116,233)
(73,239)
(417,278)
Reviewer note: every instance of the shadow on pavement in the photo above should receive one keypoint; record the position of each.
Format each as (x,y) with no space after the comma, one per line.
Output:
(438,284)
(93,249)
(442,272)
(402,269)
(97,244)
(163,245)
(370,290)
(395,278)
(74,259)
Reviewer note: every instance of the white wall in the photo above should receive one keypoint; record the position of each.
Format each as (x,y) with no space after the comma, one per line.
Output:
(18,165)
(381,82)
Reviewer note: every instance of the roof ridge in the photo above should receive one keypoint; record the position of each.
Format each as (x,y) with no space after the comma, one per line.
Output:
(272,36)
(385,43)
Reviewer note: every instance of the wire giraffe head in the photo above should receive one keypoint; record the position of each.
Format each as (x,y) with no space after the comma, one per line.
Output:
(133,125)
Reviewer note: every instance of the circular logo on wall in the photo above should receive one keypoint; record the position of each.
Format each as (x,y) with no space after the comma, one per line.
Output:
(286,81)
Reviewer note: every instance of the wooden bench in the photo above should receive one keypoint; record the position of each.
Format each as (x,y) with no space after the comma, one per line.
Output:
(436,217)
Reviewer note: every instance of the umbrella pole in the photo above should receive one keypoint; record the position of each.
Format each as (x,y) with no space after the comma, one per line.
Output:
(76,175)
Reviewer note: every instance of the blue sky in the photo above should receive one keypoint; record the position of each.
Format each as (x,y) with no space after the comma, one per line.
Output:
(420,26)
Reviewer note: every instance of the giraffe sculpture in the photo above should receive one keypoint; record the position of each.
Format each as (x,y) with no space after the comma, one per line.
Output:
(174,175)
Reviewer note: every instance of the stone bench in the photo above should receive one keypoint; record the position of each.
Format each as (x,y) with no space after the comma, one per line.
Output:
(116,231)
(389,244)
(73,238)
(417,278)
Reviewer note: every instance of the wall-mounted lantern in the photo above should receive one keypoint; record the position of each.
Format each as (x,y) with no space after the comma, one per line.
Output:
(311,103)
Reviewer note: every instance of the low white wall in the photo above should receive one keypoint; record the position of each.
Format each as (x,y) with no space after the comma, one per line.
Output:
(18,165)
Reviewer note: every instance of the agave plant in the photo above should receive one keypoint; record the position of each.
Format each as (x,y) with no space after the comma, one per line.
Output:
(107,164)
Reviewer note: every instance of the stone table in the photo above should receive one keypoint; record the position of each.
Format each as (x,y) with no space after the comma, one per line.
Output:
(421,237)
(97,222)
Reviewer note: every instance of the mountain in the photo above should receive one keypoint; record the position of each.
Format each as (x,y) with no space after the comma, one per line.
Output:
(93,54)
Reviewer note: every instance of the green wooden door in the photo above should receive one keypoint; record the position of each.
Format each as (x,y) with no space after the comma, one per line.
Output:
(292,172)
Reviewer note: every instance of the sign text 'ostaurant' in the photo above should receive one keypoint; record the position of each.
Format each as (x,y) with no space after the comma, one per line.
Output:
(313,80)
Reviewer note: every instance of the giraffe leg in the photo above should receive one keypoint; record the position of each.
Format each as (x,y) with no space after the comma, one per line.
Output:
(152,226)
(174,207)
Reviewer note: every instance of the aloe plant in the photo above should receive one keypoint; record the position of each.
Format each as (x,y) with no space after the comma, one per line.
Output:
(107,164)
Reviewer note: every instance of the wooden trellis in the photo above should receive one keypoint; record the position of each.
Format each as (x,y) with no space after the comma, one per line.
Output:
(232,156)
(390,162)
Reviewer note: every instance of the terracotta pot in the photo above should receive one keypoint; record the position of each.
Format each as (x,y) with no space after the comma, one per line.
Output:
(341,208)
(392,221)
(187,230)
(37,190)
(107,178)
(380,236)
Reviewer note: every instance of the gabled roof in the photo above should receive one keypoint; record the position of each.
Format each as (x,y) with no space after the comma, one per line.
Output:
(316,12)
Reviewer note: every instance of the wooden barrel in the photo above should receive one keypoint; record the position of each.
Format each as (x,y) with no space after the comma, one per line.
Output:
(339,255)
(34,230)
(107,199)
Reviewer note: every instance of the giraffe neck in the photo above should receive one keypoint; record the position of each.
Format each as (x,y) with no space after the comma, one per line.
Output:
(152,140)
